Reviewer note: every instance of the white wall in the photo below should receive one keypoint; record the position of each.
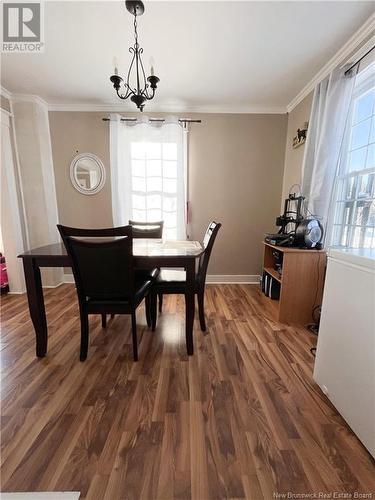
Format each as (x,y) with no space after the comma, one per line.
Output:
(11,228)
(37,181)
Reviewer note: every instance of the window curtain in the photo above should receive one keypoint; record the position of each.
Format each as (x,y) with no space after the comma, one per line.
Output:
(329,114)
(148,173)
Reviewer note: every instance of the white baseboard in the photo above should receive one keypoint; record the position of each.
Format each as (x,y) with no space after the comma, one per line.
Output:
(54,286)
(252,279)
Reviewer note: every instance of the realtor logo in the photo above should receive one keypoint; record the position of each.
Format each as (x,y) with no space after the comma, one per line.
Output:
(22,27)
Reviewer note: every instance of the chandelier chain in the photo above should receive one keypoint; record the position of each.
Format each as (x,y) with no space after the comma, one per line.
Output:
(135,29)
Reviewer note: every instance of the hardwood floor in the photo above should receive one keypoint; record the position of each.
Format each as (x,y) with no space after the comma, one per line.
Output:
(242,418)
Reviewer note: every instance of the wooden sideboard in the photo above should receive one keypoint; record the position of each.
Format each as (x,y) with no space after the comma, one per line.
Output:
(301,282)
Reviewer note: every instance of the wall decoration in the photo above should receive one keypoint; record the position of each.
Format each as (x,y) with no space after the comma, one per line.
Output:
(300,138)
(87,173)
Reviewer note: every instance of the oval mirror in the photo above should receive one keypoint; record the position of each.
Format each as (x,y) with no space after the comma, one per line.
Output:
(87,173)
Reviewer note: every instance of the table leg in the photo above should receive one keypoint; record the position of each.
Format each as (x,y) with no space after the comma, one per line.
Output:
(36,305)
(190,305)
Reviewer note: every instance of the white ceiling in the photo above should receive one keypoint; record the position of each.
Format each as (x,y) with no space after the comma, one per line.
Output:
(208,55)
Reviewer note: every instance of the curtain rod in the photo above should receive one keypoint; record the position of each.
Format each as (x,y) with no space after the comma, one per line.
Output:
(359,60)
(181,120)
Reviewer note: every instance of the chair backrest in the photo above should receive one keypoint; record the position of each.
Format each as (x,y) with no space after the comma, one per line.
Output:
(208,243)
(103,266)
(147,229)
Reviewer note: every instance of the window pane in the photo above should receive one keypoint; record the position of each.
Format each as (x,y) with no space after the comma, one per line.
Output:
(153,168)
(351,187)
(371,217)
(138,168)
(170,204)
(170,169)
(366,185)
(139,202)
(361,213)
(368,238)
(139,184)
(372,133)
(336,235)
(356,237)
(153,215)
(154,184)
(339,213)
(344,236)
(370,162)
(357,159)
(170,233)
(170,220)
(364,106)
(154,201)
(139,215)
(347,213)
(138,150)
(170,151)
(153,150)
(360,134)
(170,186)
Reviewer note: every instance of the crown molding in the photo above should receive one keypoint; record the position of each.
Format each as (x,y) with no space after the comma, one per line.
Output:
(29,98)
(351,45)
(166,109)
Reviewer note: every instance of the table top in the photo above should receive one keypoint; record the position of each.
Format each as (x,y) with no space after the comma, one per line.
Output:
(142,247)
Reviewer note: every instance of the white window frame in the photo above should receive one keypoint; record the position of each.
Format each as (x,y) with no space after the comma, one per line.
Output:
(364,84)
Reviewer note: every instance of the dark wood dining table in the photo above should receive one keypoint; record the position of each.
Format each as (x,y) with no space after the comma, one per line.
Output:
(148,253)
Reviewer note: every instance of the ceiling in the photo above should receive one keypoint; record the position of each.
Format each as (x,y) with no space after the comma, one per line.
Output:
(218,56)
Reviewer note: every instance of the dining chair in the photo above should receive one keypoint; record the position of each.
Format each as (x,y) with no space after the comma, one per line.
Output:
(147,229)
(174,282)
(105,278)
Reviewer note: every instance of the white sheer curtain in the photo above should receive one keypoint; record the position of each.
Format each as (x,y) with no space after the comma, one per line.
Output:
(148,173)
(329,113)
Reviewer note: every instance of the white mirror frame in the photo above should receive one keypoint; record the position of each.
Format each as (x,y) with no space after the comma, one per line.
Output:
(73,180)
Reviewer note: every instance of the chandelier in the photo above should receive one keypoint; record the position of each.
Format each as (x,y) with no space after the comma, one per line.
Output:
(145,88)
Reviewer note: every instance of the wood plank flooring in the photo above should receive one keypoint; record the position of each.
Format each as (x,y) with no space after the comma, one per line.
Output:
(242,418)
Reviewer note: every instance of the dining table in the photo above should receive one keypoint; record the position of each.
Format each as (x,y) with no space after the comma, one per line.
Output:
(147,254)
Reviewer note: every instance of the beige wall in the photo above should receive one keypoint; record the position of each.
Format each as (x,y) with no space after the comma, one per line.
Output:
(236,169)
(235,175)
(73,133)
(294,157)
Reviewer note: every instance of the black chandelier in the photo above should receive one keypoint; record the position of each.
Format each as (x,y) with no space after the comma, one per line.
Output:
(143,91)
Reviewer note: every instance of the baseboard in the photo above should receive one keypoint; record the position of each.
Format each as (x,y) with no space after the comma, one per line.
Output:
(54,286)
(250,279)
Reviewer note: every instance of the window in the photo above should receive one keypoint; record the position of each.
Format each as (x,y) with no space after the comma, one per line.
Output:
(148,173)
(154,187)
(354,210)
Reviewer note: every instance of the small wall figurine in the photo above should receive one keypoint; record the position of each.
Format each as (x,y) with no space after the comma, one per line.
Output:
(300,138)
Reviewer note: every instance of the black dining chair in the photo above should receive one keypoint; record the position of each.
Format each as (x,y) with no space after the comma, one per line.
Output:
(174,282)
(147,229)
(105,278)
(152,230)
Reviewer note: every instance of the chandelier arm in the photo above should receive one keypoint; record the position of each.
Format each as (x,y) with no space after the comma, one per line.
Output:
(143,71)
(147,96)
(132,50)
(128,92)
